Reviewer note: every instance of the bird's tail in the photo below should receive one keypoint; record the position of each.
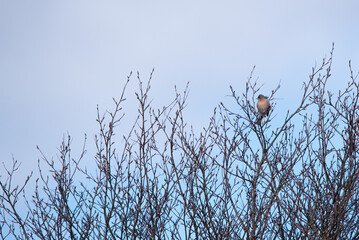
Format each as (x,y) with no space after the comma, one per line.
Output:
(259,121)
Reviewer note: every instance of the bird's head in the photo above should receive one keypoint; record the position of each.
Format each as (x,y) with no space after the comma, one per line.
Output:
(262,97)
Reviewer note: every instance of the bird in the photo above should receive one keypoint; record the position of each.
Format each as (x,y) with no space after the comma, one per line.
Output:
(263,107)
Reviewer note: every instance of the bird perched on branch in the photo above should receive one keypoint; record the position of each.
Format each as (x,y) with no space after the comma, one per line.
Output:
(263,107)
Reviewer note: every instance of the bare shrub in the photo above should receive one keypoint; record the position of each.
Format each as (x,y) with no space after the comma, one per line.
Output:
(236,179)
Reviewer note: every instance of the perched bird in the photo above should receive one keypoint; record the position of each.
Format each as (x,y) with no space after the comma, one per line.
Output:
(263,107)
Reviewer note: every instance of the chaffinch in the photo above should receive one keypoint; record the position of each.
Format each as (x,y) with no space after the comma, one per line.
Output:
(263,107)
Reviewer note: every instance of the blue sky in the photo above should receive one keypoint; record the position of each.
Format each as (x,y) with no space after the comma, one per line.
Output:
(59,59)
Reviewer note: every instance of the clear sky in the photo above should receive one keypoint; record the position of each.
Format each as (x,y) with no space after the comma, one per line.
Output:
(59,59)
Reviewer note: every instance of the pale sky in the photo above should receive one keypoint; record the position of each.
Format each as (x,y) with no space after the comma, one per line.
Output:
(59,59)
